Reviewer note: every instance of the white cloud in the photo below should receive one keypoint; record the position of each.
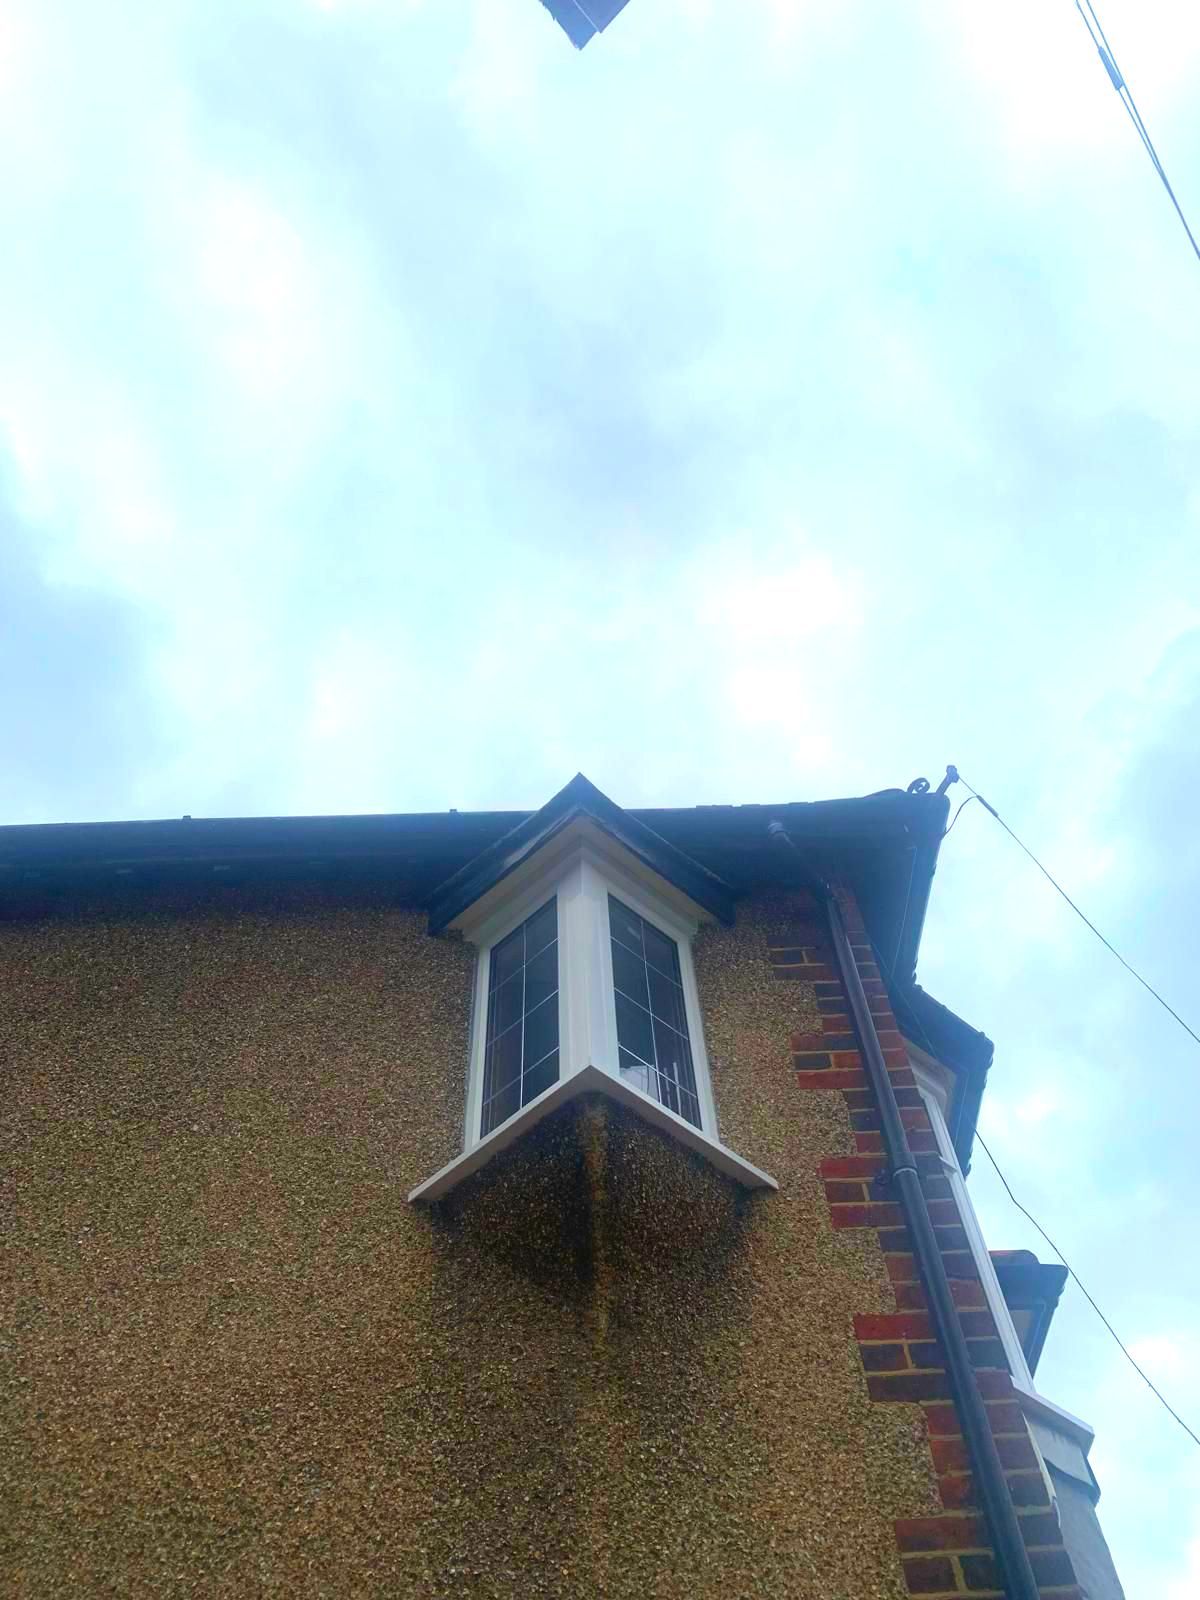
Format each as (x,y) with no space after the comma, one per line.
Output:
(1038,76)
(16,48)
(507,49)
(255,284)
(1184,1582)
(774,598)
(1168,1356)
(1044,1102)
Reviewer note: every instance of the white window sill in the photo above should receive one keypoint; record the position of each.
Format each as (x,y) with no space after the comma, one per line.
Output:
(591,1080)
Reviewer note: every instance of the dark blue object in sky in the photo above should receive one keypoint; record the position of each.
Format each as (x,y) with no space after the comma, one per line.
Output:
(580,19)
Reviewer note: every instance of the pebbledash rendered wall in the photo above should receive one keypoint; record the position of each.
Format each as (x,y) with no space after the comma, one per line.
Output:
(237,1362)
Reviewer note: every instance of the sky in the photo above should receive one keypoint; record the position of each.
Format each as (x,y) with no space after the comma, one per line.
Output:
(774,401)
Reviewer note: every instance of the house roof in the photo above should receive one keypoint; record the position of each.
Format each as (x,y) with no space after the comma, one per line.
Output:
(884,844)
(579,799)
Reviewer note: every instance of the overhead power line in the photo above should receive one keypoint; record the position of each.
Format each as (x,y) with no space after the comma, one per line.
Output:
(1092,23)
(1108,945)
(928,1045)
(1029,1217)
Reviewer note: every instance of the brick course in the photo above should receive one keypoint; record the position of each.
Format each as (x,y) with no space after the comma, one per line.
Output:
(950,1554)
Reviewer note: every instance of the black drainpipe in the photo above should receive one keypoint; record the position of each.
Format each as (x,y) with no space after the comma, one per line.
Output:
(1016,1573)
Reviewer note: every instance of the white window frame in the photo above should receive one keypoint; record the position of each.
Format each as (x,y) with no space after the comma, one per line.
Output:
(521,909)
(639,898)
(580,868)
(587,1008)
(934,1084)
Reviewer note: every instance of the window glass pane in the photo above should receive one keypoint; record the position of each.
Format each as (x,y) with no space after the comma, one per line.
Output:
(507,958)
(637,1073)
(541,1031)
(505,1006)
(673,1057)
(660,951)
(666,1001)
(626,925)
(654,1053)
(541,1077)
(634,1030)
(668,1092)
(541,977)
(541,928)
(629,974)
(502,1106)
(522,1018)
(503,1062)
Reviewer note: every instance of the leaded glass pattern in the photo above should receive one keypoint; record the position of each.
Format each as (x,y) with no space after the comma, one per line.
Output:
(653,1049)
(521,1053)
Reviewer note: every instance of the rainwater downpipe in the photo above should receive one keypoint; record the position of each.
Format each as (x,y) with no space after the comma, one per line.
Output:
(1012,1558)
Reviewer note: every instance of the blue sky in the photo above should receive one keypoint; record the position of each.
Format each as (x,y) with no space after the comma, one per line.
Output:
(399,410)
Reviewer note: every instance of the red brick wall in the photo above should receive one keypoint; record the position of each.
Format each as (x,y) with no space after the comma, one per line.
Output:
(949,1554)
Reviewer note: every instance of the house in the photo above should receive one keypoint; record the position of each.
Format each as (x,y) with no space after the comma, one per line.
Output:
(565,1203)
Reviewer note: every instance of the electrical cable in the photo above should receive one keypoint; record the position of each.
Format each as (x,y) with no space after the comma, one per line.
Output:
(1029,1217)
(959,813)
(1117,78)
(1108,945)
(911,1015)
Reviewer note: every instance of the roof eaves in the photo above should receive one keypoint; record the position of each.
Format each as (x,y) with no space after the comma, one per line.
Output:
(968,1054)
(1034,1286)
(580,798)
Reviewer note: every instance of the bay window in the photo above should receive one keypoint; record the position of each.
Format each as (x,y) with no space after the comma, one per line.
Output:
(585,983)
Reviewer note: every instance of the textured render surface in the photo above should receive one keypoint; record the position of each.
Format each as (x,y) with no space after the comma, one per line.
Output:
(236,1362)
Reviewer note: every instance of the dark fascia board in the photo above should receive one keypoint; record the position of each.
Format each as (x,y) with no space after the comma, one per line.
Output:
(1028,1284)
(968,1054)
(178,840)
(185,841)
(580,798)
(734,834)
(884,844)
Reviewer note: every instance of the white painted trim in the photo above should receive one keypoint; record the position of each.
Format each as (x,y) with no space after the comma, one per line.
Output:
(994,1295)
(1036,1407)
(478,1038)
(528,890)
(480,1153)
(937,1086)
(640,897)
(478,920)
(590,1080)
(932,1078)
(534,895)
(580,869)
(575,965)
